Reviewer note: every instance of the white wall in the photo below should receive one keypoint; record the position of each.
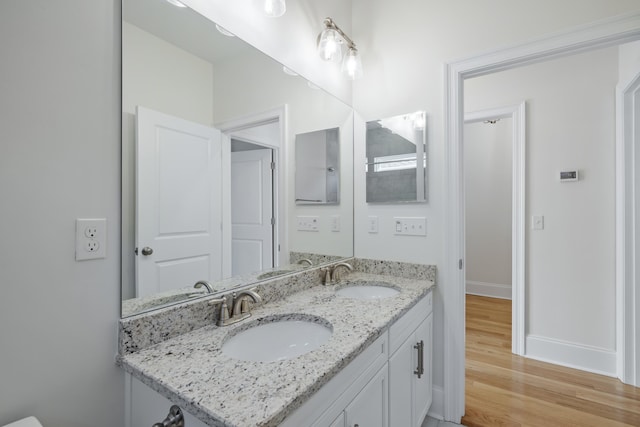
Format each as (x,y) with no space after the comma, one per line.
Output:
(629,54)
(487,174)
(59,160)
(570,277)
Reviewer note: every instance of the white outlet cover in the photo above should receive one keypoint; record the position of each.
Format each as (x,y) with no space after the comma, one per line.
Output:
(91,238)
(372,224)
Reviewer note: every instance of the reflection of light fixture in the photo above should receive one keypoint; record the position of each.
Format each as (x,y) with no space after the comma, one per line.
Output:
(330,43)
(225,32)
(274,8)
(312,86)
(177,3)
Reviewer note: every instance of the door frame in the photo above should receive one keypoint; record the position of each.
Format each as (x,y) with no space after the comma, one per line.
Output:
(280,237)
(627,227)
(604,33)
(517,114)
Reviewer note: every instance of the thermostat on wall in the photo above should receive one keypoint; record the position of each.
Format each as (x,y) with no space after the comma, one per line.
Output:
(566,176)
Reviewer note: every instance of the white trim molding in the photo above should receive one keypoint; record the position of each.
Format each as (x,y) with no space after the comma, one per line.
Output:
(492,290)
(627,227)
(608,32)
(437,404)
(572,355)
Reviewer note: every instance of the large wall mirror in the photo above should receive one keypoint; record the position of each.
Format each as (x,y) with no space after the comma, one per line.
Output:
(209,125)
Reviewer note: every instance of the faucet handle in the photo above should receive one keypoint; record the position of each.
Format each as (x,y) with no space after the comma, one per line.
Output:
(223,317)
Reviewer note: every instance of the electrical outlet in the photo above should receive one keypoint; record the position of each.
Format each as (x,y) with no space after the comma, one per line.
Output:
(91,238)
(308,223)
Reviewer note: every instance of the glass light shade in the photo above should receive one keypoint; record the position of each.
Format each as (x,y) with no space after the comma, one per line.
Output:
(275,8)
(330,45)
(352,64)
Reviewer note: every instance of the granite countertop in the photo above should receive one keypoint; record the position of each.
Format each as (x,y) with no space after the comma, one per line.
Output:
(192,371)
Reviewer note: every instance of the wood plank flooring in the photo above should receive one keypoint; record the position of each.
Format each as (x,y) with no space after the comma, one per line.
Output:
(507,390)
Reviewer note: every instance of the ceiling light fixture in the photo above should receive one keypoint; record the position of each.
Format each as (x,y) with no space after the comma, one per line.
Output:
(330,44)
(274,8)
(177,3)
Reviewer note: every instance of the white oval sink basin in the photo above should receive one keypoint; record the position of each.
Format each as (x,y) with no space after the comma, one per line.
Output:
(368,290)
(274,339)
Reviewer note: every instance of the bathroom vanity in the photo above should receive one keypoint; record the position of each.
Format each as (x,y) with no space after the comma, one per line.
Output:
(373,370)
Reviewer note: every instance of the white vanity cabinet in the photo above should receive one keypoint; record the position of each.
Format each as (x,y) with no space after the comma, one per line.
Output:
(410,364)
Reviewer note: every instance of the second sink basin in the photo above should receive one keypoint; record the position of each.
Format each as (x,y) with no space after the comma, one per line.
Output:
(272,339)
(365,290)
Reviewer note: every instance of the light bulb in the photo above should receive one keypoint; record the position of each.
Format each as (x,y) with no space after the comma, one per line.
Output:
(352,64)
(330,45)
(275,8)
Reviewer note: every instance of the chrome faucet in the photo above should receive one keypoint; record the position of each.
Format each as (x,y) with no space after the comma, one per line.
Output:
(329,272)
(305,261)
(338,265)
(203,283)
(240,306)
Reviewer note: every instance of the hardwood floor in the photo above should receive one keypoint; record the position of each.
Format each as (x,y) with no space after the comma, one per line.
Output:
(507,390)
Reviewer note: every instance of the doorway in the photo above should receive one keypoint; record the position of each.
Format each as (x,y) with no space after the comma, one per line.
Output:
(604,34)
(252,216)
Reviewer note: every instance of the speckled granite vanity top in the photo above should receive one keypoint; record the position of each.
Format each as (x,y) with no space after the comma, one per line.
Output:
(191,369)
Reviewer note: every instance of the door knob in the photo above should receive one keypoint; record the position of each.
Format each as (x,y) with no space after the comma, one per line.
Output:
(146,251)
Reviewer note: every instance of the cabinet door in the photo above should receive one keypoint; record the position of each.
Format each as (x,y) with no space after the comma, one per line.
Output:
(401,368)
(369,407)
(423,386)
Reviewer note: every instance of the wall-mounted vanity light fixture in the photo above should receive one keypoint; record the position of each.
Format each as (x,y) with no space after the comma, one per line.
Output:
(330,48)
(274,8)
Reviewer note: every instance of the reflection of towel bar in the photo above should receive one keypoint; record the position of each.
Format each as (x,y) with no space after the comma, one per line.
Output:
(308,200)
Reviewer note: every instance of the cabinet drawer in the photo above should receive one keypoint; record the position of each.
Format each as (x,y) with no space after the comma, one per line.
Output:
(404,327)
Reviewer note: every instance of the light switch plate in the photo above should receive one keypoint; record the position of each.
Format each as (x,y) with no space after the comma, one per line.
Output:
(308,223)
(372,224)
(410,226)
(335,223)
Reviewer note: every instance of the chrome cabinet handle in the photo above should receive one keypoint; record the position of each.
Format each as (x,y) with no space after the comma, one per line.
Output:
(146,251)
(420,369)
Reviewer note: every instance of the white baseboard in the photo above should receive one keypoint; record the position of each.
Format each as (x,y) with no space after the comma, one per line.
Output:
(492,290)
(437,404)
(571,355)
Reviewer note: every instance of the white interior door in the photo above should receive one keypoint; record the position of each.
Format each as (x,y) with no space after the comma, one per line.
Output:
(251,211)
(178,211)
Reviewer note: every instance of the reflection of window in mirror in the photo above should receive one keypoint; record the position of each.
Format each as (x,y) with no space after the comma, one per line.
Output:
(397,159)
(318,167)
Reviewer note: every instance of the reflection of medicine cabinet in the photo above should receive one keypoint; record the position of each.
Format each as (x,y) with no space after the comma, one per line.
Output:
(318,167)
(397,159)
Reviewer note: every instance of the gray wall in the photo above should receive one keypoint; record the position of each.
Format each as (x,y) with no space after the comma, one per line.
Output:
(59,160)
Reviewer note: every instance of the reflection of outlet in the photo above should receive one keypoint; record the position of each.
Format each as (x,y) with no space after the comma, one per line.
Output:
(91,238)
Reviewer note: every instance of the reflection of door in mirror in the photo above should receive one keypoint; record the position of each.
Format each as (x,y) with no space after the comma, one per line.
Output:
(396,159)
(317,167)
(251,208)
(178,210)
